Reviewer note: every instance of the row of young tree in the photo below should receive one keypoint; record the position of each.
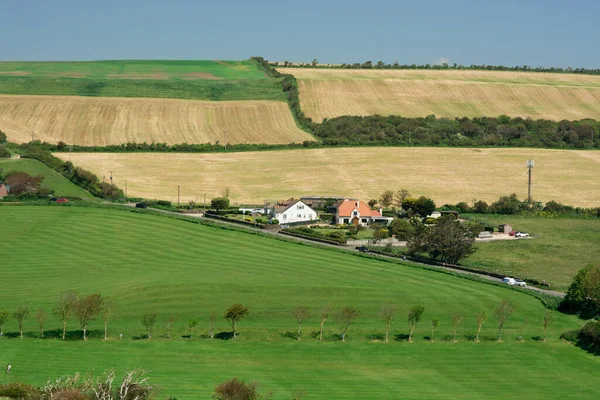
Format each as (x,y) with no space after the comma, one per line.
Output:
(438,66)
(88,308)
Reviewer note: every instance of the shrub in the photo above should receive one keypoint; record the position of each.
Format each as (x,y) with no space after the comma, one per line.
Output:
(275,221)
(17,390)
(219,203)
(2,137)
(4,153)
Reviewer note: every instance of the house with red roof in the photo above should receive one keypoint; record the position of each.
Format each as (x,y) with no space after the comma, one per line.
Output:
(357,212)
(4,189)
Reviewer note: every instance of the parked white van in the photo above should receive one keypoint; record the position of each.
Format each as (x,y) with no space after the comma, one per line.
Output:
(509,281)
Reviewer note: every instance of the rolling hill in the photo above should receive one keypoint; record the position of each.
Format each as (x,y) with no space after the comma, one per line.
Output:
(329,93)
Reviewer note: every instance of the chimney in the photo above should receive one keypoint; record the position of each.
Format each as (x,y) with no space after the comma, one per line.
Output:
(381,211)
(357,203)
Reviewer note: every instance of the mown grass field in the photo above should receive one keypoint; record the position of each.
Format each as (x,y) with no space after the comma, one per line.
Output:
(447,175)
(52,179)
(560,247)
(328,93)
(103,121)
(158,264)
(201,80)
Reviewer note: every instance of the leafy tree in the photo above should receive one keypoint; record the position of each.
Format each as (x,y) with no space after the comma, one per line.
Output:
(192,323)
(401,229)
(235,314)
(2,137)
(448,241)
(87,309)
(456,320)
(108,308)
(506,205)
(64,309)
(434,324)
(219,203)
(3,319)
(344,319)
(21,314)
(315,62)
(22,183)
(324,317)
(583,295)
(148,321)
(41,317)
(548,318)
(480,317)
(4,153)
(387,198)
(504,310)
(386,314)
(300,313)
(226,192)
(414,316)
(480,207)
(379,233)
(211,324)
(373,202)
(401,195)
(170,323)
(417,240)
(236,389)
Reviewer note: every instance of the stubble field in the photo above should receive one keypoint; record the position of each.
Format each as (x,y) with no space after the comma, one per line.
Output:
(328,93)
(444,174)
(102,121)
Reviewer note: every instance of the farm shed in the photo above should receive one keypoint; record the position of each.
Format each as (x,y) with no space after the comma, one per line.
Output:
(505,228)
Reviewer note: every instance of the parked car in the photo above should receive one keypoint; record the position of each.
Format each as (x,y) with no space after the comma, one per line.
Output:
(141,205)
(521,234)
(509,281)
(363,249)
(62,200)
(512,233)
(521,283)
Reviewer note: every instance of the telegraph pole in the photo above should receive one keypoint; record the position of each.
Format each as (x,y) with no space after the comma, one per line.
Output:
(125,188)
(529,168)
(178,190)
(204,207)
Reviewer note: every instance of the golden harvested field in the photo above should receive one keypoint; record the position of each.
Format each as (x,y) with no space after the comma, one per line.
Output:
(96,121)
(446,175)
(328,93)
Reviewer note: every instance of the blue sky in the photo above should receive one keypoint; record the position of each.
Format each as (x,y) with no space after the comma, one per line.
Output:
(509,32)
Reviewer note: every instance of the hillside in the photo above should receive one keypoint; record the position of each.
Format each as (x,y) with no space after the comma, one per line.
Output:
(113,102)
(328,93)
(97,121)
(445,174)
(187,270)
(52,179)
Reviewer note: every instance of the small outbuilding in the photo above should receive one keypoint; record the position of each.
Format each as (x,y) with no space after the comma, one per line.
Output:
(4,190)
(505,228)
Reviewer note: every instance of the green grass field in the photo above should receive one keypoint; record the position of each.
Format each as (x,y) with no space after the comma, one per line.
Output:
(158,264)
(560,247)
(52,179)
(202,80)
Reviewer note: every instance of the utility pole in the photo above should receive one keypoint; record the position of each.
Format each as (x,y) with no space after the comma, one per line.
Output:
(529,168)
(126,189)
(178,190)
(204,207)
(225,139)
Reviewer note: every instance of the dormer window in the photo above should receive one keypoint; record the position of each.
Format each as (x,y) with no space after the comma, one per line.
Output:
(355,213)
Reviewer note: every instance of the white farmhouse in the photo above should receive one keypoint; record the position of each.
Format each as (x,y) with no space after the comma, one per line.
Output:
(293,211)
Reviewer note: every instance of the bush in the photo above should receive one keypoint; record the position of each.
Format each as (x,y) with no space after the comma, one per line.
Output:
(2,137)
(219,203)
(4,153)
(274,221)
(16,390)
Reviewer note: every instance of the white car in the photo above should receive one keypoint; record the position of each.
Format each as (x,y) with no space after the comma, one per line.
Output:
(522,234)
(509,281)
(521,283)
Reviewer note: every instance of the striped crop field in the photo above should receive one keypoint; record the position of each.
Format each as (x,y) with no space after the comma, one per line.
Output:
(329,93)
(97,121)
(148,264)
(448,175)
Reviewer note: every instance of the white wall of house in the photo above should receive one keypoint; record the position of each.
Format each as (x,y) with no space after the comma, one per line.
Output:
(299,212)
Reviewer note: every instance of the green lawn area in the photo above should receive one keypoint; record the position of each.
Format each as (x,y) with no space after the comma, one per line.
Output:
(559,248)
(158,264)
(52,179)
(202,80)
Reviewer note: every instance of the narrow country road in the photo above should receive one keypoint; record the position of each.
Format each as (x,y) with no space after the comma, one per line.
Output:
(347,249)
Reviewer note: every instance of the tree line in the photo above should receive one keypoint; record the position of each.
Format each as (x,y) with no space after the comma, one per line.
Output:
(88,308)
(439,66)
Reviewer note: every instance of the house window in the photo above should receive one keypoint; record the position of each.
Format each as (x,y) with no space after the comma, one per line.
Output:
(364,220)
(299,215)
(284,216)
(300,207)
(355,213)
(346,221)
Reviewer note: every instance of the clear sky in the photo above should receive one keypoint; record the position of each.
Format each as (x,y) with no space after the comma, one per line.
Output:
(509,32)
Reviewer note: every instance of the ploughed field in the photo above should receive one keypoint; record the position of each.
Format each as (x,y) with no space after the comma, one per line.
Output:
(158,264)
(448,175)
(98,121)
(329,93)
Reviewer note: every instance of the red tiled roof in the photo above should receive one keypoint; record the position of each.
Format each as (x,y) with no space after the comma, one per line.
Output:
(346,207)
